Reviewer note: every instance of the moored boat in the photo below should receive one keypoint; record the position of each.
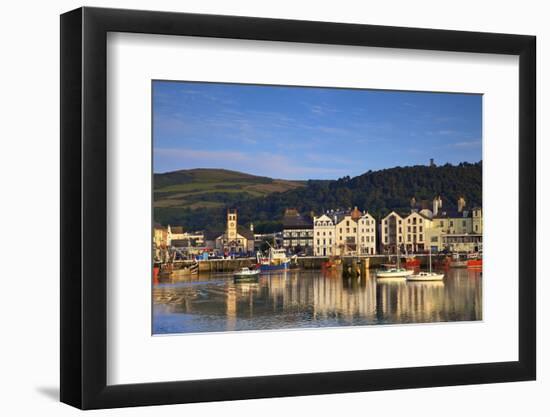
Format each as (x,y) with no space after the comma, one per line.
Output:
(277,260)
(394,271)
(475,260)
(427,276)
(412,262)
(458,261)
(246,275)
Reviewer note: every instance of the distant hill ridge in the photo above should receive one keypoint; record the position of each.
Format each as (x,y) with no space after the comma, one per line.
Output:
(197,199)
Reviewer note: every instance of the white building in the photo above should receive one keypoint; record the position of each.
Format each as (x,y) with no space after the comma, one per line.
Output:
(366,235)
(345,233)
(324,236)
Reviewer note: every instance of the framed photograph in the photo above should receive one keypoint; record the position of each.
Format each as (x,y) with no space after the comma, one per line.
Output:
(256,208)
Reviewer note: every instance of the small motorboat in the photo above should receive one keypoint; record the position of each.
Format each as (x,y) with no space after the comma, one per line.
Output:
(246,275)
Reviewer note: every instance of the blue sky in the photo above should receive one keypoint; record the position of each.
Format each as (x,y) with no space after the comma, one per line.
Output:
(309,133)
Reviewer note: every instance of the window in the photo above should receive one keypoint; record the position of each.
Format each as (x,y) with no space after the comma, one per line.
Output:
(409,238)
(409,229)
(354,230)
(421,237)
(420,229)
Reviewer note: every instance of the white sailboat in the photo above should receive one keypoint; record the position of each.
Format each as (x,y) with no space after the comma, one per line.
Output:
(427,276)
(396,272)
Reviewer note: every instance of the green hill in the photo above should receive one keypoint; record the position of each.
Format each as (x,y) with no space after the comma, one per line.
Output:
(211,188)
(197,199)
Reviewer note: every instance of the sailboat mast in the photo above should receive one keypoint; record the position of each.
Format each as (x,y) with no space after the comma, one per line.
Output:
(397,253)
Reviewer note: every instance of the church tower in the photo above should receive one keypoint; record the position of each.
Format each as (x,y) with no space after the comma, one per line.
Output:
(231,224)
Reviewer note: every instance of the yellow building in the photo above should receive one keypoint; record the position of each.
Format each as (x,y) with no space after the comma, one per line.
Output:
(459,230)
(416,225)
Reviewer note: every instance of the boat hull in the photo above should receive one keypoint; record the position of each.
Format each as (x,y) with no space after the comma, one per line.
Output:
(268,268)
(250,277)
(394,274)
(475,263)
(427,277)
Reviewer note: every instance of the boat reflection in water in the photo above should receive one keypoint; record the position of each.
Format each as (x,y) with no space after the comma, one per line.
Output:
(305,299)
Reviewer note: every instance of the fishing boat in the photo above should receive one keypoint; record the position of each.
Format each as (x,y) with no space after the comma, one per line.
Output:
(394,272)
(427,276)
(458,261)
(411,261)
(475,260)
(332,263)
(246,275)
(276,260)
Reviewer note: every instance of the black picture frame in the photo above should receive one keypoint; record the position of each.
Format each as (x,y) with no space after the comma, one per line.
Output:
(84,207)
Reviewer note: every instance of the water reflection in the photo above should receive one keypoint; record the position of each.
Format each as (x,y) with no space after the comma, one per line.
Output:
(298,299)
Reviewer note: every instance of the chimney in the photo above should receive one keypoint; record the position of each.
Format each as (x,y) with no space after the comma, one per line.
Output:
(461,204)
(436,206)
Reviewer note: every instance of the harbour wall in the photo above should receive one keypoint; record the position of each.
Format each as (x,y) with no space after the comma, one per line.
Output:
(306,262)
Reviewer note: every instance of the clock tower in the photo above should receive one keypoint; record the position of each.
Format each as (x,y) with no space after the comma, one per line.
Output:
(231,224)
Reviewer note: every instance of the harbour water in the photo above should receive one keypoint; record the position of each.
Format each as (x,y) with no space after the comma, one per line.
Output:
(311,299)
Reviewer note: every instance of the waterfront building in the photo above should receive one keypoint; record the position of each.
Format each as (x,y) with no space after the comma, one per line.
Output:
(160,236)
(274,239)
(346,236)
(414,231)
(175,232)
(188,240)
(344,233)
(366,234)
(459,230)
(324,236)
(297,232)
(236,239)
(391,233)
